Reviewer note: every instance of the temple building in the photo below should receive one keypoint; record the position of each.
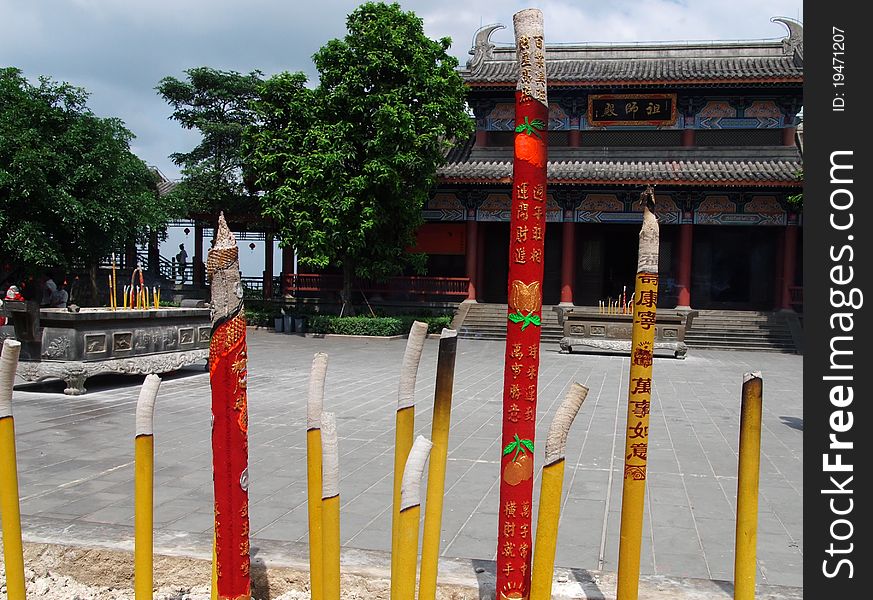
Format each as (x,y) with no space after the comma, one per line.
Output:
(711,125)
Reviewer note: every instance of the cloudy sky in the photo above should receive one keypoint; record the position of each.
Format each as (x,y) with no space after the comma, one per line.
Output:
(119,49)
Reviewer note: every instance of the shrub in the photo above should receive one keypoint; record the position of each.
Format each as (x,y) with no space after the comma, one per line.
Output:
(434,324)
(375,326)
(260,317)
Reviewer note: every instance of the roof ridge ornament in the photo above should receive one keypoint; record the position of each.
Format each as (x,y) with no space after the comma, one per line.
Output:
(483,48)
(793,44)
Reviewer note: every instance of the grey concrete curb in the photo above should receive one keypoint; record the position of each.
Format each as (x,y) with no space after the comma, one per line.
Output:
(476,575)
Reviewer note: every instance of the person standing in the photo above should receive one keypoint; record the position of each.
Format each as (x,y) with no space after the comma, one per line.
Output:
(182,262)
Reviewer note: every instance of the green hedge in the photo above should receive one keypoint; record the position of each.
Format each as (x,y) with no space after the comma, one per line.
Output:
(376,326)
(261,317)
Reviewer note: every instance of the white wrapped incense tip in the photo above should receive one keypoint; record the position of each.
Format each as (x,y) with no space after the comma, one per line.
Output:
(647,259)
(747,377)
(224,238)
(556,440)
(8,365)
(329,457)
(145,406)
(409,368)
(448,333)
(316,391)
(528,24)
(410,485)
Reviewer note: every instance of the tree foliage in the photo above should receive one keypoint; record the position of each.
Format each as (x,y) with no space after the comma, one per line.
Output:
(795,201)
(347,166)
(218,104)
(71,191)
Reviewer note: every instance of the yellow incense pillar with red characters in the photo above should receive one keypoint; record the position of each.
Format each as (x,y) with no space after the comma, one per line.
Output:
(633,496)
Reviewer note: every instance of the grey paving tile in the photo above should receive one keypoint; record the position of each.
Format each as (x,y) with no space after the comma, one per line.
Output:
(73,449)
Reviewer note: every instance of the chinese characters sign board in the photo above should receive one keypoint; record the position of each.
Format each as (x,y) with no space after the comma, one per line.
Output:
(631,109)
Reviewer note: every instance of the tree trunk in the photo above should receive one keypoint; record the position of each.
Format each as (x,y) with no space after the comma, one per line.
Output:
(348,309)
(94,299)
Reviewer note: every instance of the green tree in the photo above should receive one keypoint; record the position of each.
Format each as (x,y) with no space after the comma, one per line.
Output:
(218,104)
(347,166)
(71,191)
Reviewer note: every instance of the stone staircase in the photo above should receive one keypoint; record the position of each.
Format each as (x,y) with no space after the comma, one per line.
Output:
(488,322)
(740,330)
(711,329)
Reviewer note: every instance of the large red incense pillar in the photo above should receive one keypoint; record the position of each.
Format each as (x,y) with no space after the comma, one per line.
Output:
(521,371)
(472,246)
(683,275)
(789,261)
(228,377)
(568,261)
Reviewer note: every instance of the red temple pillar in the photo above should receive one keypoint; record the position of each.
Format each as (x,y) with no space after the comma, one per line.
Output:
(687,137)
(683,274)
(287,269)
(789,262)
(268,266)
(480,260)
(481,138)
(472,246)
(575,138)
(788,136)
(199,275)
(568,261)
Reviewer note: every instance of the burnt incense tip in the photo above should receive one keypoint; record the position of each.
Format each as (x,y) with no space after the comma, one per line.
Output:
(527,13)
(747,377)
(448,333)
(223,236)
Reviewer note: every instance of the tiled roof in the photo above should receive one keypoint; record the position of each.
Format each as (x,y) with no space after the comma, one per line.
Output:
(661,70)
(712,63)
(165,187)
(720,173)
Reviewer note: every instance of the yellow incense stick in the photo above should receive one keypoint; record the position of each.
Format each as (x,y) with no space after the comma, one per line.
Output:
(551,491)
(436,478)
(403,579)
(747,488)
(330,508)
(639,399)
(313,474)
(404,428)
(10,510)
(144,469)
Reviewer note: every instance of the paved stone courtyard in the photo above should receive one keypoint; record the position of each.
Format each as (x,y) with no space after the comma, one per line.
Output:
(76,453)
